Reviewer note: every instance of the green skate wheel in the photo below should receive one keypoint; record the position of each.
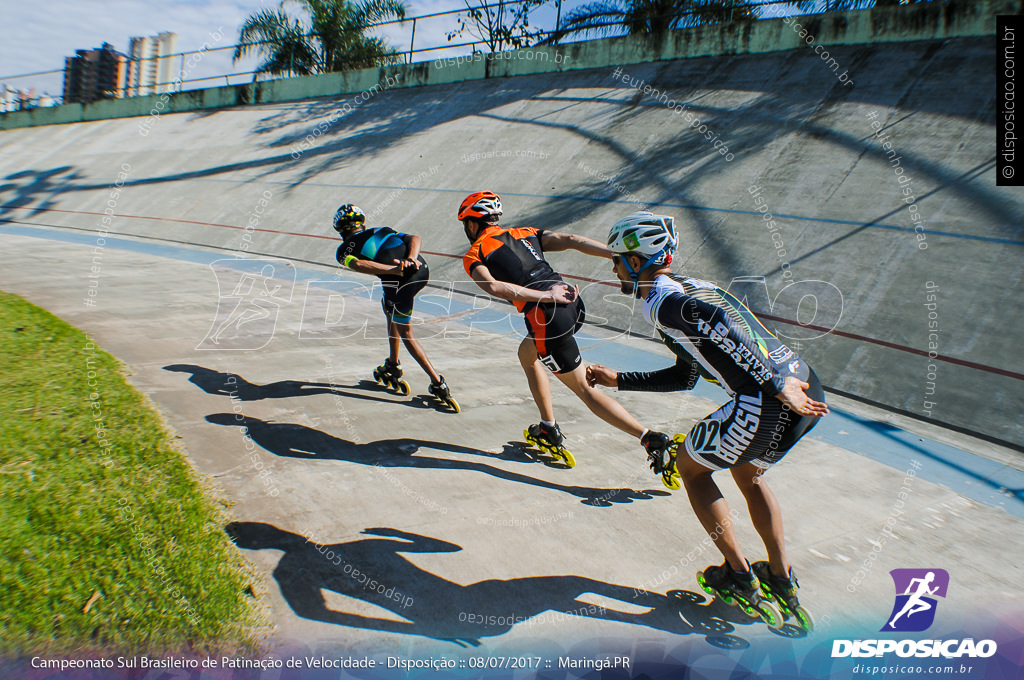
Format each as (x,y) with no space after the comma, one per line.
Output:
(804,618)
(403,388)
(726,598)
(769,614)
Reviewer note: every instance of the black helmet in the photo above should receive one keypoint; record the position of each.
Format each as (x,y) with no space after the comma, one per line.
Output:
(348,217)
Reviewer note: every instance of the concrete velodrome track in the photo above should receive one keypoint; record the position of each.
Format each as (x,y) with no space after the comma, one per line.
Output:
(447,510)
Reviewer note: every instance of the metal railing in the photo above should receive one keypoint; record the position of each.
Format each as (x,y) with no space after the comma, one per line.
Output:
(402,55)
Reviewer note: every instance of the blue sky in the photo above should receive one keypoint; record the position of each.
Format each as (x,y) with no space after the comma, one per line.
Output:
(39,35)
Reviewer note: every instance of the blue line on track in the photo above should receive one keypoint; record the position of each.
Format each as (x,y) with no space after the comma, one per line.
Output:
(972,476)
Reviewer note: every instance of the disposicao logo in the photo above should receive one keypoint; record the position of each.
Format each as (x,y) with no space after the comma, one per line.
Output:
(913,612)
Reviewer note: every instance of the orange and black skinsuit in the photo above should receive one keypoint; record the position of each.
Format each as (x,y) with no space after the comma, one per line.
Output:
(515,255)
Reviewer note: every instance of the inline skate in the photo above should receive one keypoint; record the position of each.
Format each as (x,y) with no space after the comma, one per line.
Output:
(439,390)
(390,374)
(549,440)
(738,591)
(783,592)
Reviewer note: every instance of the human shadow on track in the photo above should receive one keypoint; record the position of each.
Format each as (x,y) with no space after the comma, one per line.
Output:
(298,441)
(235,386)
(374,570)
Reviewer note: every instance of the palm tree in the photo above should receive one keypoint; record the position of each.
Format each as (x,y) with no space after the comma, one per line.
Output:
(652,17)
(846,5)
(333,40)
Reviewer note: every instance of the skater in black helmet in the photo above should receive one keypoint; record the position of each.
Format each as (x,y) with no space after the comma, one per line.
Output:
(775,400)
(395,259)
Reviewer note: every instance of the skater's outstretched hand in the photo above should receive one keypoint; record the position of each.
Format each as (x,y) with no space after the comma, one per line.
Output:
(602,375)
(793,395)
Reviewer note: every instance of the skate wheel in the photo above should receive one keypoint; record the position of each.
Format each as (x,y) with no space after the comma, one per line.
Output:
(672,481)
(403,388)
(769,614)
(804,618)
(566,457)
(454,405)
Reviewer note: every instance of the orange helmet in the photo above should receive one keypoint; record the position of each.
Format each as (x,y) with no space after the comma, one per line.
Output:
(480,205)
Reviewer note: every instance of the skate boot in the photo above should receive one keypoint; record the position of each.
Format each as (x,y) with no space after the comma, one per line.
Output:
(390,374)
(549,440)
(741,592)
(439,390)
(661,456)
(783,592)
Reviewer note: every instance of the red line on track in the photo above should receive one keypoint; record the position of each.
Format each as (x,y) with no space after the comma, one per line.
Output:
(852,336)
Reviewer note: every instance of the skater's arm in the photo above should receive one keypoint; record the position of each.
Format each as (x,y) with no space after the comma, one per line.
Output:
(677,378)
(684,375)
(412,254)
(561,293)
(374,268)
(681,376)
(555,241)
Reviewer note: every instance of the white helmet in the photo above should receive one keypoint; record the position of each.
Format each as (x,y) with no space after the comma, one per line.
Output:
(643,233)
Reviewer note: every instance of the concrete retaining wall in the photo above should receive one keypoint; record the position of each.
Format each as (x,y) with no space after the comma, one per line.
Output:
(891,24)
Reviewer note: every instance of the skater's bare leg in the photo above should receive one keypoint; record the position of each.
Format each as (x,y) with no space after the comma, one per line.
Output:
(404,331)
(394,341)
(765,513)
(537,377)
(711,509)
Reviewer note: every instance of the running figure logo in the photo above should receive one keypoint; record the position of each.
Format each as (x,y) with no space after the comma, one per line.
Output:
(250,296)
(914,610)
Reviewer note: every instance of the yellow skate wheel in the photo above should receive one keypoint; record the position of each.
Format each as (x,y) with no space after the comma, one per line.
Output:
(403,388)
(454,405)
(566,457)
(671,480)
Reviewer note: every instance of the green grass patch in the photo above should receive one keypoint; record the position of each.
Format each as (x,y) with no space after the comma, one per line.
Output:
(109,539)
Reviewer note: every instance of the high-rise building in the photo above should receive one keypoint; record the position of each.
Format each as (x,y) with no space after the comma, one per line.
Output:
(151,68)
(95,74)
(13,99)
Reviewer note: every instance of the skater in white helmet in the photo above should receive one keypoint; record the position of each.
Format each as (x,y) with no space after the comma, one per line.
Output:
(775,399)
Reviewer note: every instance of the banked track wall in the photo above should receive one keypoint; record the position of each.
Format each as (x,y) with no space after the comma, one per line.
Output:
(578,149)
